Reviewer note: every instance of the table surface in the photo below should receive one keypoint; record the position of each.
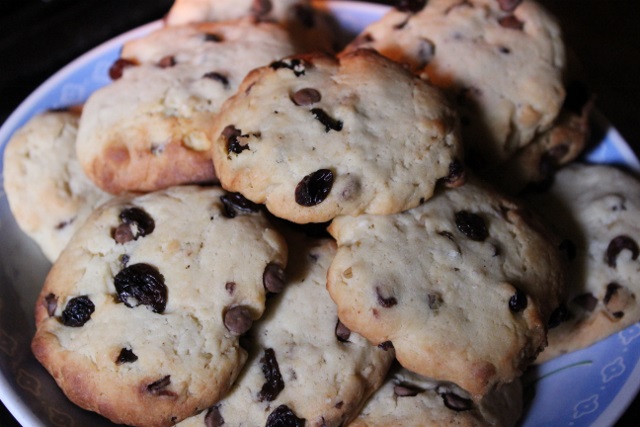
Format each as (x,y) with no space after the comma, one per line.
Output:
(38,37)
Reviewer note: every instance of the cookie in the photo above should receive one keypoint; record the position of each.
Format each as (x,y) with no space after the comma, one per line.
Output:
(139,318)
(149,129)
(463,286)
(501,61)
(304,365)
(596,207)
(48,193)
(313,137)
(409,400)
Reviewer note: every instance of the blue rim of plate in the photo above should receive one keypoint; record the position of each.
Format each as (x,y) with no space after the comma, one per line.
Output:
(590,387)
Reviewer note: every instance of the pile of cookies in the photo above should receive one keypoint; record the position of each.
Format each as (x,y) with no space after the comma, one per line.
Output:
(255,226)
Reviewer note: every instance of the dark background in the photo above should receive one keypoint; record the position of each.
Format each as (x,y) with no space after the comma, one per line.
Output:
(38,37)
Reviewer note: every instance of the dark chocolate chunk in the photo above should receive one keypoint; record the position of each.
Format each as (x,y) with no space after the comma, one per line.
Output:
(617,245)
(314,188)
(386,302)
(282,416)
(329,122)
(51,303)
(518,302)
(126,356)
(456,403)
(222,79)
(235,203)
(342,332)
(306,96)
(78,311)
(274,278)
(213,417)
(141,284)
(471,225)
(117,69)
(238,320)
(274,383)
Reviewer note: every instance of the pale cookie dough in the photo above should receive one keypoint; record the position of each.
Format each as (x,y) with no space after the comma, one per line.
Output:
(409,400)
(597,208)
(149,129)
(48,193)
(462,287)
(503,66)
(303,366)
(313,137)
(140,317)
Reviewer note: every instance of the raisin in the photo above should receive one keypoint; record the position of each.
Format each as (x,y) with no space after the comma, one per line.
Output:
(406,390)
(386,302)
(329,122)
(213,417)
(134,217)
(456,175)
(456,403)
(274,383)
(211,37)
(617,245)
(167,62)
(342,332)
(518,302)
(141,284)
(471,225)
(511,22)
(235,203)
(273,278)
(230,287)
(411,6)
(231,134)
(509,5)
(158,388)
(238,320)
(217,77)
(314,188)
(282,416)
(117,69)
(51,303)
(296,65)
(126,356)
(78,311)
(306,96)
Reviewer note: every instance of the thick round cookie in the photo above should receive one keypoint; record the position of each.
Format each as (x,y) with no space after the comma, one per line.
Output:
(462,286)
(596,208)
(48,193)
(140,316)
(501,61)
(409,400)
(303,364)
(149,129)
(313,137)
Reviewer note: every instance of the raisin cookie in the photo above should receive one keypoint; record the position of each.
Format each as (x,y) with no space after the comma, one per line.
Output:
(409,400)
(501,61)
(305,367)
(48,193)
(140,317)
(596,208)
(313,137)
(149,129)
(462,287)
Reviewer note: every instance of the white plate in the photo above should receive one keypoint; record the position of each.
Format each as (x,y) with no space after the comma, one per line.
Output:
(591,387)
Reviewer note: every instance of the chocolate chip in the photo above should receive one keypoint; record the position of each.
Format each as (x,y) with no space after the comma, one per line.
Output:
(471,225)
(296,65)
(213,417)
(329,122)
(509,5)
(558,316)
(282,416)
(217,77)
(274,383)
(158,388)
(78,311)
(238,320)
(411,6)
(305,15)
(140,219)
(273,278)
(386,302)
(306,96)
(587,301)
(231,134)
(261,8)
(518,302)
(167,62)
(211,37)
(342,332)
(314,188)
(387,345)
(456,175)
(617,245)
(51,303)
(117,68)
(568,248)
(126,356)
(456,403)
(406,390)
(235,203)
(141,284)
(511,22)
